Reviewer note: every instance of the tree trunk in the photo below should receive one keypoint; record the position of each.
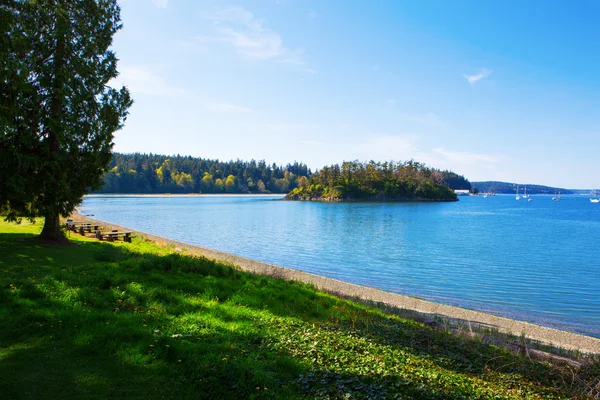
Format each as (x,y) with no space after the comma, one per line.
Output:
(51,230)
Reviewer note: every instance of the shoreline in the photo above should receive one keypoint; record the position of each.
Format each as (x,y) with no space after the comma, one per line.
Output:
(114,195)
(367,295)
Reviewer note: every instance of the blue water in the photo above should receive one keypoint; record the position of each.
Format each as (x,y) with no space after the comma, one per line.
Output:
(535,261)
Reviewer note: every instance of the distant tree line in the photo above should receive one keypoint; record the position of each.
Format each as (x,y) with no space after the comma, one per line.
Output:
(376,181)
(153,173)
(510,188)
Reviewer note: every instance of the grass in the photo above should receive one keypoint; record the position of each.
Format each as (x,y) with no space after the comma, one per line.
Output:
(117,320)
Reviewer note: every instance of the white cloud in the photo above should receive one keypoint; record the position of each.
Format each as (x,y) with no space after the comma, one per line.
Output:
(228,108)
(248,35)
(161,3)
(473,79)
(405,147)
(310,142)
(143,80)
(464,157)
(470,164)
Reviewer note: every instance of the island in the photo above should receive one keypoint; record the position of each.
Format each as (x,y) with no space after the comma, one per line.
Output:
(376,181)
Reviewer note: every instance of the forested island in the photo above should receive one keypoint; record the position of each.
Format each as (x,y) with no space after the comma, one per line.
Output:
(376,181)
(158,174)
(510,188)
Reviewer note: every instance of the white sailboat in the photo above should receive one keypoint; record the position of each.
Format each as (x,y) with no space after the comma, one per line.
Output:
(557,197)
(518,197)
(594,198)
(526,196)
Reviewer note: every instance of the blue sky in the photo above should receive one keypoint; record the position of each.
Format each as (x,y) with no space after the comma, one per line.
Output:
(495,90)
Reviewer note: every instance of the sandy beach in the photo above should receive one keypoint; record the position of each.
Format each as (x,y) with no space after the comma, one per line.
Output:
(545,335)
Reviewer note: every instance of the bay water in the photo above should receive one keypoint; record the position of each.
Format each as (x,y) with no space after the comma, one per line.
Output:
(536,261)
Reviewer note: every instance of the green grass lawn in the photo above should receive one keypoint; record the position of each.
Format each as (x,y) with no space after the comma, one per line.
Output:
(102,320)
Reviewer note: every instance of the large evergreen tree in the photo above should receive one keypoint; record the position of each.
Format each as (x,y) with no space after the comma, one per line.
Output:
(57,114)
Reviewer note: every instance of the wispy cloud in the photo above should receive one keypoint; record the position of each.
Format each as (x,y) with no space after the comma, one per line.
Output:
(161,3)
(464,157)
(141,79)
(228,108)
(248,35)
(402,147)
(473,79)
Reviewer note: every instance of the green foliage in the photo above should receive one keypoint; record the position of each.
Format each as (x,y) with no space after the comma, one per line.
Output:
(101,320)
(455,181)
(152,173)
(58,114)
(373,181)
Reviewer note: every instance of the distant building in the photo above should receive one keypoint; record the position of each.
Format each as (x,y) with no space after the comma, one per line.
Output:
(462,192)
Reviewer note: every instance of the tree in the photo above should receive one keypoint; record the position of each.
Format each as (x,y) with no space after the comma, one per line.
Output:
(261,186)
(230,183)
(219,185)
(58,112)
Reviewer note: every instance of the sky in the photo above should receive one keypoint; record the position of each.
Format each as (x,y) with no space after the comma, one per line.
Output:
(493,90)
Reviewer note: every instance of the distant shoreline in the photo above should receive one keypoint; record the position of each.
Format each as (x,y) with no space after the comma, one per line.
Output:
(368,295)
(96,195)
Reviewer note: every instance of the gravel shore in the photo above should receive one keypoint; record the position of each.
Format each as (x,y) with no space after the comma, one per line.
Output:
(550,336)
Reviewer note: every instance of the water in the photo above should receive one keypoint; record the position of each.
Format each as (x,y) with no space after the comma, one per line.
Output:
(534,261)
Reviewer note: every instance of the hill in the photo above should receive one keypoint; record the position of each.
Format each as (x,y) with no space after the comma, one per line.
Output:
(510,188)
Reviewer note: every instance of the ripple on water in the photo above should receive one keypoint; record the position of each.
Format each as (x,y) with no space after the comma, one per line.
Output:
(535,261)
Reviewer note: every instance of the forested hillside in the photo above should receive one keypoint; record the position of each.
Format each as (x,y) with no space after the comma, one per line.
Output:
(510,188)
(375,181)
(152,173)
(455,181)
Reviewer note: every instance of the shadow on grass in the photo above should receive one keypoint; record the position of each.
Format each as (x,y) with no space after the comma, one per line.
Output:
(100,320)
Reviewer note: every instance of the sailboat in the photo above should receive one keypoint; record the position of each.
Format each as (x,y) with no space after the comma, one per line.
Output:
(518,197)
(526,196)
(594,198)
(556,198)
